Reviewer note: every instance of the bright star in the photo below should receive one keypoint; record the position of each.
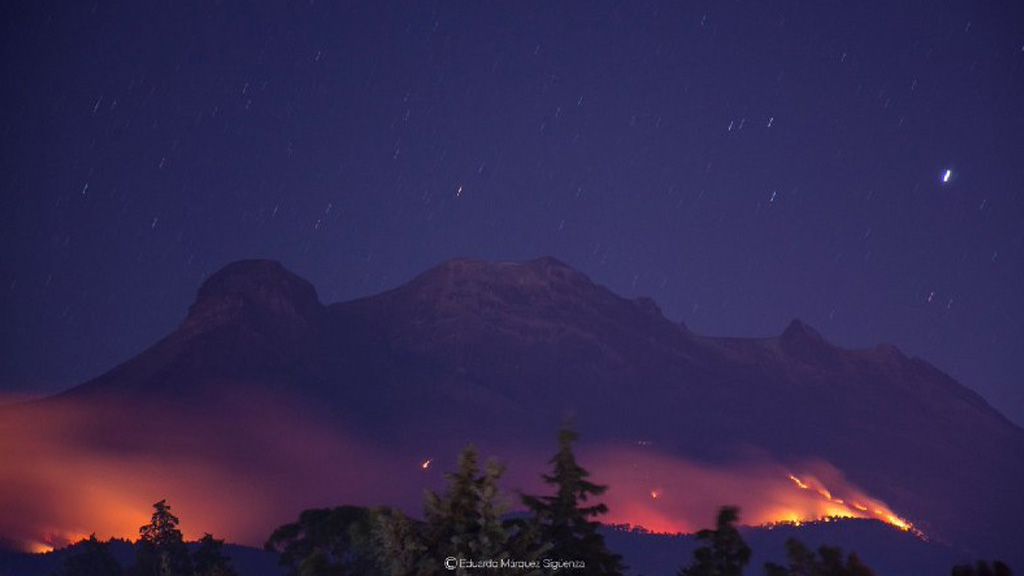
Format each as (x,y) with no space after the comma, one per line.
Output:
(946,176)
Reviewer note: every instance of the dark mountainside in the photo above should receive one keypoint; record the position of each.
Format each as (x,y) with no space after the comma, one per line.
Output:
(886,551)
(499,353)
(245,561)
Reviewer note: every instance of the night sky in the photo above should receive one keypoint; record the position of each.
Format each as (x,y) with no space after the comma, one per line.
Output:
(857,165)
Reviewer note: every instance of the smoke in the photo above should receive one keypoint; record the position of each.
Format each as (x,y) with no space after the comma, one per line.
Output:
(663,493)
(67,471)
(251,461)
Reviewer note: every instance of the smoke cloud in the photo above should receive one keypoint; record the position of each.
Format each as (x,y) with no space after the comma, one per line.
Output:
(252,463)
(668,494)
(67,471)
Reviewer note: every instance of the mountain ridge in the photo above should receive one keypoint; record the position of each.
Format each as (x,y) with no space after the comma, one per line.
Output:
(491,351)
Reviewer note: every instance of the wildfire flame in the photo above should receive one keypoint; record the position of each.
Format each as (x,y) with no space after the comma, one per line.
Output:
(854,509)
(798,482)
(767,492)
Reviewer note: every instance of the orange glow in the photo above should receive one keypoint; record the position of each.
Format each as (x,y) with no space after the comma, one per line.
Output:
(235,477)
(839,509)
(63,483)
(53,542)
(38,547)
(766,492)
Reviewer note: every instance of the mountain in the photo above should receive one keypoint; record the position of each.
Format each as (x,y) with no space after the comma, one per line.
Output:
(265,400)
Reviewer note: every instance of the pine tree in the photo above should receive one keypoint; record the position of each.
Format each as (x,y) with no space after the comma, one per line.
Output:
(725,554)
(161,549)
(565,521)
(465,521)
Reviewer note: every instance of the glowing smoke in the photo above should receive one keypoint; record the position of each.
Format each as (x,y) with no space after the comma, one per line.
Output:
(237,475)
(256,465)
(667,494)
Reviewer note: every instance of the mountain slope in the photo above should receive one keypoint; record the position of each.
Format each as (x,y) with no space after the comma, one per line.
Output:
(498,354)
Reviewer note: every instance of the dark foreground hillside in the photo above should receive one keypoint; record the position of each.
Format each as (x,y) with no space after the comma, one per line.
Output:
(887,551)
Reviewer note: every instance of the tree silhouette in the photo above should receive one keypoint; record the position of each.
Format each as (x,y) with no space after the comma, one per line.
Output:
(209,559)
(465,521)
(91,558)
(828,562)
(161,549)
(564,521)
(327,541)
(725,554)
(462,523)
(399,544)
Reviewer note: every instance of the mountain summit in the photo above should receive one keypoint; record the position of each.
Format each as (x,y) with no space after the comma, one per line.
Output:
(264,286)
(500,352)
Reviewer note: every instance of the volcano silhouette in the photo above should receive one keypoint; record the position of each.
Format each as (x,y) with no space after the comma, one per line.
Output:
(500,353)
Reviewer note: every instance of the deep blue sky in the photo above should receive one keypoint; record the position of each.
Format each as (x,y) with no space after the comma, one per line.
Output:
(742,163)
